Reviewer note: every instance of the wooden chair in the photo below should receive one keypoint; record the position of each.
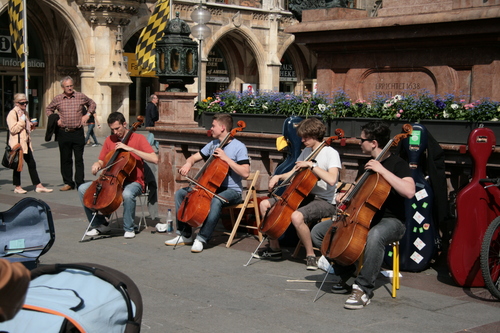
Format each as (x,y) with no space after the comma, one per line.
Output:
(249,202)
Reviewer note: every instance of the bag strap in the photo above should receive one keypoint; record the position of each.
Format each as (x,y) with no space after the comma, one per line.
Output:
(18,134)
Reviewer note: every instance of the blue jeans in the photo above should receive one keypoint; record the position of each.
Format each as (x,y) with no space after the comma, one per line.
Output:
(233,197)
(90,132)
(153,142)
(130,193)
(388,230)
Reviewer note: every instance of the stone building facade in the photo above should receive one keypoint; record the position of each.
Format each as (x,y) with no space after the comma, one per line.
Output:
(443,47)
(94,42)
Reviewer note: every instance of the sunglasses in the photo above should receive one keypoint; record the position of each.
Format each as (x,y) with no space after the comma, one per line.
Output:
(363,140)
(23,103)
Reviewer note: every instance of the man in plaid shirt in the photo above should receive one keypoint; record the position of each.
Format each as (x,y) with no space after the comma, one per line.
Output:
(74,109)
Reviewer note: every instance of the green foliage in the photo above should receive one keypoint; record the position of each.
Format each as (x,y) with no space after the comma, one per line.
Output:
(407,107)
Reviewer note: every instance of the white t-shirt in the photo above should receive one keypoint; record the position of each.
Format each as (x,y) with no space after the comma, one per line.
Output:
(326,159)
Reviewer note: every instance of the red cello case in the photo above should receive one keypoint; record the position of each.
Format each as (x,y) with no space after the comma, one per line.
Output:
(476,208)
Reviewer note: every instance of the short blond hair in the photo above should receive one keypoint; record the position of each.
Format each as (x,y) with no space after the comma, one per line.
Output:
(19,97)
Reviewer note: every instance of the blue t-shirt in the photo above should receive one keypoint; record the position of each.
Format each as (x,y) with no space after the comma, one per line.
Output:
(236,151)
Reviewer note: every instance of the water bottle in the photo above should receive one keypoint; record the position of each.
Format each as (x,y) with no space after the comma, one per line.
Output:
(170,222)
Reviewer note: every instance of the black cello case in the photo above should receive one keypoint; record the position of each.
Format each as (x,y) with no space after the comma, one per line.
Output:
(293,148)
(420,241)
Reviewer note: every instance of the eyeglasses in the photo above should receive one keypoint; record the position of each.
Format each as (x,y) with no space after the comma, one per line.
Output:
(23,103)
(363,140)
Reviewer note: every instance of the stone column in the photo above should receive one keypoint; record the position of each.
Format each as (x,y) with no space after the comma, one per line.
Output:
(272,79)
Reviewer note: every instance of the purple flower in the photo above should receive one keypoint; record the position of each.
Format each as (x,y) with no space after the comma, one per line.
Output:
(222,103)
(439,104)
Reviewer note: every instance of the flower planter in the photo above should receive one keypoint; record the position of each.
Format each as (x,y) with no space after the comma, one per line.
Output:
(258,123)
(449,131)
(352,126)
(494,126)
(444,131)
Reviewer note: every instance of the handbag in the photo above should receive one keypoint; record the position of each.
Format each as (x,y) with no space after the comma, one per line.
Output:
(13,157)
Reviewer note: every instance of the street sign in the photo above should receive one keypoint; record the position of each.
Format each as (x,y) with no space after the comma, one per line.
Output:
(5,44)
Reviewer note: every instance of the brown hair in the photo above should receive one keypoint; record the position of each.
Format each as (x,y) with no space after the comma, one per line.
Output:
(225,119)
(311,128)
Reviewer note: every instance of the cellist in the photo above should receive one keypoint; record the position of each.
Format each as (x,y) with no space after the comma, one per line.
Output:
(387,225)
(236,156)
(320,202)
(134,184)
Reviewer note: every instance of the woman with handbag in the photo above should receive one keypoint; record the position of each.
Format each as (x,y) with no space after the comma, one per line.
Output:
(20,127)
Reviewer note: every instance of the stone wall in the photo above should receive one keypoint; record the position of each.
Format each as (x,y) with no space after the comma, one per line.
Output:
(411,46)
(177,144)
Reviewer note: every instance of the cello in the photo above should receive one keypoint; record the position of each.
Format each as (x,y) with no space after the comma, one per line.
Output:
(345,240)
(196,204)
(300,184)
(105,193)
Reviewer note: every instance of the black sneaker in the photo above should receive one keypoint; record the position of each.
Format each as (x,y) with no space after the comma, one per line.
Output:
(341,288)
(269,254)
(311,263)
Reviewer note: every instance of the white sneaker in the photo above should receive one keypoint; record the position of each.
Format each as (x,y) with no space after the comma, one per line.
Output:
(179,240)
(92,232)
(129,234)
(197,246)
(358,299)
(103,229)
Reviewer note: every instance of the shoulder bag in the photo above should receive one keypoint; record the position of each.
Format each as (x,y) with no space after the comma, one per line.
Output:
(13,157)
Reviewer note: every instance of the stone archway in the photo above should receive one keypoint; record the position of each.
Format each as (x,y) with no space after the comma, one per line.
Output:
(244,54)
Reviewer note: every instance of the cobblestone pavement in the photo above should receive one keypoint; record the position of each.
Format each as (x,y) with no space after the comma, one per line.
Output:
(214,292)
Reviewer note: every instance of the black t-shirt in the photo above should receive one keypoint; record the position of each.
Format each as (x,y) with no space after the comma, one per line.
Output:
(394,205)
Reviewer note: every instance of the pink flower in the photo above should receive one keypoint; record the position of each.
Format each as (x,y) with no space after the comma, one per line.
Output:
(398,115)
(401,111)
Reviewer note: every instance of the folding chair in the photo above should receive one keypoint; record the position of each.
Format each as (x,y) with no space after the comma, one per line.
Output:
(249,202)
(142,201)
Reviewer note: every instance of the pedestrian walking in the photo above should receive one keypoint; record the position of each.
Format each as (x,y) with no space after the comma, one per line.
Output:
(20,128)
(92,122)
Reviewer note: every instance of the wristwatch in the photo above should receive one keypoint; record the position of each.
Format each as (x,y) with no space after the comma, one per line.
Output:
(314,165)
